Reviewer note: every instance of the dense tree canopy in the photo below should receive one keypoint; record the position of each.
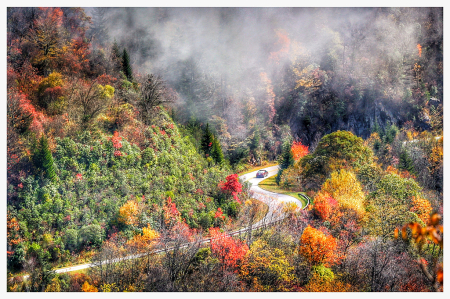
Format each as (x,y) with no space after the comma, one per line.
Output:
(128,130)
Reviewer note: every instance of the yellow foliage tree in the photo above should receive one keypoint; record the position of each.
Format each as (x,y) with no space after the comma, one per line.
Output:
(436,157)
(266,268)
(346,189)
(308,78)
(54,286)
(128,213)
(109,287)
(88,288)
(146,240)
(320,284)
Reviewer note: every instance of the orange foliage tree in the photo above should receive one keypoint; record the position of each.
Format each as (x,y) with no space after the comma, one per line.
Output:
(88,287)
(317,247)
(299,150)
(422,208)
(13,231)
(434,231)
(46,37)
(283,43)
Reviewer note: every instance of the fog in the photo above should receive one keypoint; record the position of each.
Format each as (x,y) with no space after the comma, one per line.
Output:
(232,46)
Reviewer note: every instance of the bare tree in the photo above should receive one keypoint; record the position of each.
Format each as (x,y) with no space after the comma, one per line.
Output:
(153,92)
(87,101)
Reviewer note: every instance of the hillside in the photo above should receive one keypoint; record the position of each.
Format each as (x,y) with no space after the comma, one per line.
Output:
(127,129)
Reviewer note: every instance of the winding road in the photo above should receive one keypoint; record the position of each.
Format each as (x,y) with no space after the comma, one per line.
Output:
(275,201)
(275,213)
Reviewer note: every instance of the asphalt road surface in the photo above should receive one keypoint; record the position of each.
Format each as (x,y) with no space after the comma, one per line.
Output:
(275,201)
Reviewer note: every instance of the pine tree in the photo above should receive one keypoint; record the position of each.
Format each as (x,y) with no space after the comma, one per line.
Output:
(207,141)
(115,50)
(216,151)
(116,57)
(126,65)
(406,163)
(43,159)
(376,128)
(286,159)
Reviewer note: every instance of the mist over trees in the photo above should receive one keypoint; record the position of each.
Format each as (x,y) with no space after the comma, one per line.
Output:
(322,68)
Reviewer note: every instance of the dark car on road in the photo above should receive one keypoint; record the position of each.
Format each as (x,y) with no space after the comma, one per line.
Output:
(262,173)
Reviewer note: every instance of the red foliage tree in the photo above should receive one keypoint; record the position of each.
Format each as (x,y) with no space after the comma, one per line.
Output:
(39,119)
(231,186)
(116,140)
(324,205)
(229,251)
(219,214)
(171,214)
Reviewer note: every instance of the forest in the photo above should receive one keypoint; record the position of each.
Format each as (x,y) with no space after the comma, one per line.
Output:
(130,132)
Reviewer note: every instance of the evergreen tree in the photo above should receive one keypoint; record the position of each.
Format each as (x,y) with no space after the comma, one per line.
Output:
(207,141)
(376,128)
(254,146)
(126,65)
(286,159)
(216,151)
(406,163)
(390,132)
(116,57)
(43,159)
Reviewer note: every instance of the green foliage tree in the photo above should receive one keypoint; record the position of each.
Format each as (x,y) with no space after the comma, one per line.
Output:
(18,257)
(390,132)
(406,163)
(286,159)
(40,269)
(126,65)
(340,149)
(91,235)
(43,160)
(207,141)
(396,187)
(216,151)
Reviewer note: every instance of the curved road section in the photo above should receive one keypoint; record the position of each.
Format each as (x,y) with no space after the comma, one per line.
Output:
(275,202)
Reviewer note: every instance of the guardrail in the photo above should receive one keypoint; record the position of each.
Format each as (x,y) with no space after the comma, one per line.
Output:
(307,198)
(245,230)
